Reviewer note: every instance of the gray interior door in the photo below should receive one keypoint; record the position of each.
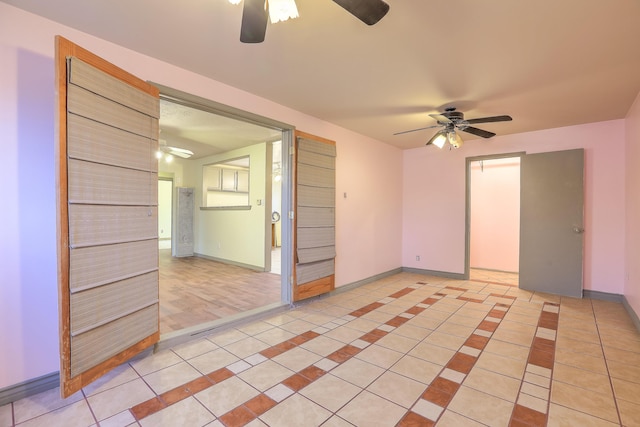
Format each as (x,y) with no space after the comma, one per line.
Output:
(551,222)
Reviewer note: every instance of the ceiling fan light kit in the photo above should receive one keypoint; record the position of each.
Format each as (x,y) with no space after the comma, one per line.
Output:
(282,10)
(255,12)
(452,120)
(443,136)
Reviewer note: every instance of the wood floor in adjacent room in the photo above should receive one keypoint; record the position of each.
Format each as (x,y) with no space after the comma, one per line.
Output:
(196,290)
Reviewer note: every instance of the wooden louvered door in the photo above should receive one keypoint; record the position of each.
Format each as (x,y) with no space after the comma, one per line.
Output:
(314,249)
(107,215)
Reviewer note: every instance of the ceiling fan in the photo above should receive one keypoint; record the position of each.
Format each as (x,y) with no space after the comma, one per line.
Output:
(168,152)
(451,120)
(256,12)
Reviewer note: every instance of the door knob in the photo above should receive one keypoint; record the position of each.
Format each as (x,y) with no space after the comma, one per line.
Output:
(578,230)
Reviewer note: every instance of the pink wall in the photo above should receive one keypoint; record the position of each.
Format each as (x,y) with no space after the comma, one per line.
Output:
(434,198)
(632,152)
(495,214)
(370,172)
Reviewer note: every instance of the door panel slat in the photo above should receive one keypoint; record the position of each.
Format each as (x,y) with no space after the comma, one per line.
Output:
(97,345)
(90,78)
(317,146)
(315,159)
(315,237)
(314,176)
(95,266)
(93,225)
(91,183)
(99,143)
(99,305)
(88,104)
(320,253)
(316,197)
(313,271)
(316,217)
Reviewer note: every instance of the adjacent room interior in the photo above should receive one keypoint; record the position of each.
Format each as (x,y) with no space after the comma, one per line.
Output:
(494,227)
(219,178)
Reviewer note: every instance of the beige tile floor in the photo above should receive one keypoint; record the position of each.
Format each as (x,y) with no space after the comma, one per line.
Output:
(407,350)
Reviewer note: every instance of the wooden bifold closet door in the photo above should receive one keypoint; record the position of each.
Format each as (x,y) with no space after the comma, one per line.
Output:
(314,249)
(107,193)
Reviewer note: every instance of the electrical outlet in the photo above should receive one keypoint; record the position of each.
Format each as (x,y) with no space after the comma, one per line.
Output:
(417,257)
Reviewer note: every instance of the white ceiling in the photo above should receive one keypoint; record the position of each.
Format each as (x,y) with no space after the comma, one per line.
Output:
(547,63)
(205,133)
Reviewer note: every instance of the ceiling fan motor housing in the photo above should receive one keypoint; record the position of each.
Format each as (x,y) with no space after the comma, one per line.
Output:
(454,115)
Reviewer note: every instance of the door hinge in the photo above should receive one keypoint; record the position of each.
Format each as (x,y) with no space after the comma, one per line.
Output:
(291,214)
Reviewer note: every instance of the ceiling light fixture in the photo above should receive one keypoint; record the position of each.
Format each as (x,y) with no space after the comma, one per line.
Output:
(180,152)
(163,155)
(282,10)
(277,172)
(439,140)
(446,135)
(279,10)
(168,153)
(454,139)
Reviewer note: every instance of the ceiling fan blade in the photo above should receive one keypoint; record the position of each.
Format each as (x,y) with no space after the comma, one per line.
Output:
(491,119)
(414,130)
(478,132)
(441,118)
(368,11)
(254,21)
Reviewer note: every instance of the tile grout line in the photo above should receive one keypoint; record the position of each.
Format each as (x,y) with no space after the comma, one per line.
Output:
(540,361)
(148,407)
(254,405)
(299,380)
(341,355)
(606,364)
(93,414)
(161,398)
(489,282)
(441,391)
(398,320)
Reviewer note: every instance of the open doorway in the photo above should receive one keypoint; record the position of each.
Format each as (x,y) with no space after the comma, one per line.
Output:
(228,174)
(493,219)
